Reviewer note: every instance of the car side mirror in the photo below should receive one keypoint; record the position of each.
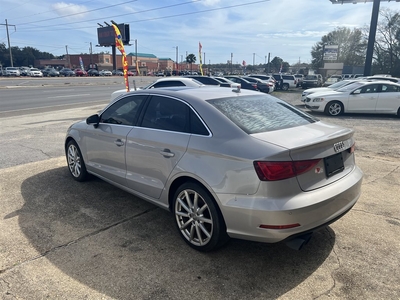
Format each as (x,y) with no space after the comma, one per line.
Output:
(94,119)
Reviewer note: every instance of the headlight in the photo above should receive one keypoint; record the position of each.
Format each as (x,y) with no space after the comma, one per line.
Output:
(318,99)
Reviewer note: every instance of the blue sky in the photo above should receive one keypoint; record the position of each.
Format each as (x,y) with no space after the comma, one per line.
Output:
(249,29)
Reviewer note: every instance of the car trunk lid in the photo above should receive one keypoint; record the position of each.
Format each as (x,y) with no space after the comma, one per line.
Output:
(329,143)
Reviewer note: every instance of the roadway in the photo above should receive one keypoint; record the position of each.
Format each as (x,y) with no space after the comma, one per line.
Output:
(24,95)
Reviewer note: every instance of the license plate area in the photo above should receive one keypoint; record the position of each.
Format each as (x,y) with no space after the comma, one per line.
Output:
(334,164)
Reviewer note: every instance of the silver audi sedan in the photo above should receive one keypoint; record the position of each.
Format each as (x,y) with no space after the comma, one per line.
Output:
(228,163)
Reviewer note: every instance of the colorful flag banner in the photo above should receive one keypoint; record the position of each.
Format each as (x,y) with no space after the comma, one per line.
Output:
(120,46)
(201,66)
(81,63)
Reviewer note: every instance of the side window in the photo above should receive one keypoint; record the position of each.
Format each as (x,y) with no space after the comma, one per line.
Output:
(388,88)
(371,88)
(166,114)
(196,126)
(124,111)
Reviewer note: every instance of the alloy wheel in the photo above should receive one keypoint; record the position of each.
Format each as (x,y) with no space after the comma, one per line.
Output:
(194,218)
(74,161)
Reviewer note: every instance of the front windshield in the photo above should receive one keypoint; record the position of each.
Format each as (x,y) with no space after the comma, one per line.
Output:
(339,84)
(350,87)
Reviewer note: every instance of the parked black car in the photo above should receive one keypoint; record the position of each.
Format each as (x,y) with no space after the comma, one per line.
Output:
(93,72)
(208,80)
(262,86)
(244,84)
(50,72)
(67,72)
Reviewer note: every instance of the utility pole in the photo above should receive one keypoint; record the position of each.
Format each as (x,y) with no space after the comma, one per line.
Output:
(136,62)
(8,39)
(68,62)
(177,63)
(231,63)
(254,57)
(91,59)
(269,67)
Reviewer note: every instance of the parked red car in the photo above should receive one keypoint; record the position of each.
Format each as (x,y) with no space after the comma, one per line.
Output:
(80,72)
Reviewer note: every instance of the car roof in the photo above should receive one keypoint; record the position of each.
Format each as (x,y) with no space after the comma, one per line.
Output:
(204,93)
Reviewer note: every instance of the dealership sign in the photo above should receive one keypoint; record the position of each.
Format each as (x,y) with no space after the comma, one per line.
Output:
(331,52)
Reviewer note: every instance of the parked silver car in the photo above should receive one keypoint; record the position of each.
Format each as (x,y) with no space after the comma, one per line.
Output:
(226,162)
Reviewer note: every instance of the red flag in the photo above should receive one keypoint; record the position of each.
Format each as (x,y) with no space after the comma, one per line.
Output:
(244,63)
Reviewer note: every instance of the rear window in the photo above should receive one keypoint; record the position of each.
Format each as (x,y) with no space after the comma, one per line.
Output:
(311,77)
(255,114)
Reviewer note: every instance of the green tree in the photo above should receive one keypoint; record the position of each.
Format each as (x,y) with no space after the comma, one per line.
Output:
(387,44)
(190,59)
(352,47)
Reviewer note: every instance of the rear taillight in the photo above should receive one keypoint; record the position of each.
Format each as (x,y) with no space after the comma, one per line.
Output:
(279,170)
(352,148)
(254,85)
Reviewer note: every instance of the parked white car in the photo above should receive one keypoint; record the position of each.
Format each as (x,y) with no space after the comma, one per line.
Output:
(334,86)
(34,72)
(374,97)
(163,83)
(11,71)
(105,73)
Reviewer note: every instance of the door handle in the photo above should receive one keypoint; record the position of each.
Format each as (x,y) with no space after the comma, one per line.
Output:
(167,153)
(119,143)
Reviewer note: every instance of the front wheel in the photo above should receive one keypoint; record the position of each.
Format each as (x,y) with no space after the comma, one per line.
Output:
(285,87)
(197,218)
(334,108)
(76,165)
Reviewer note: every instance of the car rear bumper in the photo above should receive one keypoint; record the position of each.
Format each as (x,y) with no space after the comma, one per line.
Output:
(243,216)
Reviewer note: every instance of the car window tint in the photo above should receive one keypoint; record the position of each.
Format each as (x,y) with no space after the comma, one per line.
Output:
(386,88)
(254,114)
(207,80)
(196,126)
(166,114)
(168,84)
(371,88)
(124,111)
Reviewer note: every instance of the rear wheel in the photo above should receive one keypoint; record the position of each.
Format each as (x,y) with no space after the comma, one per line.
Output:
(334,108)
(197,218)
(398,112)
(76,165)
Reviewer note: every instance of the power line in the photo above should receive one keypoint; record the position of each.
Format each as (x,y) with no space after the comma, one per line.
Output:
(157,18)
(45,12)
(119,15)
(79,13)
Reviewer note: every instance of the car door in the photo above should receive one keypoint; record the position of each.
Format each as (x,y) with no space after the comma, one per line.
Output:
(155,147)
(106,143)
(389,98)
(363,99)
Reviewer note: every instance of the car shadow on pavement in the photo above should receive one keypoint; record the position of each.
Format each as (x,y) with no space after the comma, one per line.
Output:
(127,248)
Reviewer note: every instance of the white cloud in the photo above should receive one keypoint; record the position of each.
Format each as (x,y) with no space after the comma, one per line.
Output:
(70,10)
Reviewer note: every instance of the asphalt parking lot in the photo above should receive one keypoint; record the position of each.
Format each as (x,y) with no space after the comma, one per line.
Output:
(61,239)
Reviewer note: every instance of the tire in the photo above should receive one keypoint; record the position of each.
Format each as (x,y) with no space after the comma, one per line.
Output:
(198,219)
(334,108)
(76,164)
(398,113)
(285,87)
